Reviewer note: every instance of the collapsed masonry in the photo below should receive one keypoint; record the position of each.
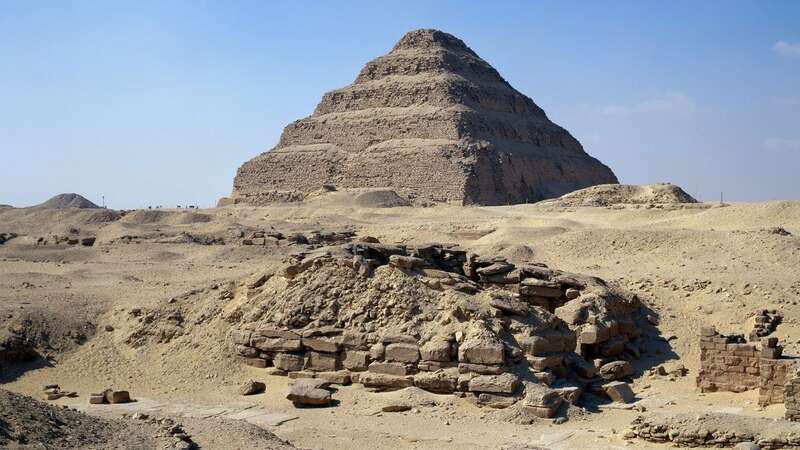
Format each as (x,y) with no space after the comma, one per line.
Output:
(444,320)
(728,363)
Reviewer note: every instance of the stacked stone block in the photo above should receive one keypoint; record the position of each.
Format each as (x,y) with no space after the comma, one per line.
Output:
(727,363)
(792,398)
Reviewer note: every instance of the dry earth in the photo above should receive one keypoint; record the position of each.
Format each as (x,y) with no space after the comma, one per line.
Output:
(694,265)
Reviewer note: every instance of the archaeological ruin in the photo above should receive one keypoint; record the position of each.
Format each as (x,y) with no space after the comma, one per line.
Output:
(441,319)
(432,121)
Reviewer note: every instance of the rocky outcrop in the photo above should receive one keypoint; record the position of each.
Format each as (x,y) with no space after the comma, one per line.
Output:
(431,121)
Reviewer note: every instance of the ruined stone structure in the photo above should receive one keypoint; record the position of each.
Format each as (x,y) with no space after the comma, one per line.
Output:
(728,363)
(432,121)
(444,320)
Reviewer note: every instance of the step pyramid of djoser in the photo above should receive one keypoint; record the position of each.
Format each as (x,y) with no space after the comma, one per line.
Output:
(433,121)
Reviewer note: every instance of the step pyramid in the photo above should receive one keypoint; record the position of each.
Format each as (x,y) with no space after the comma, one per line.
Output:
(432,121)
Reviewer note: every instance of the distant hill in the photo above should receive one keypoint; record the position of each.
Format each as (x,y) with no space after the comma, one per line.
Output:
(619,194)
(62,201)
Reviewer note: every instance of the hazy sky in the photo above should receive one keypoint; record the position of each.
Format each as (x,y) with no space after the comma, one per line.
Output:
(158,102)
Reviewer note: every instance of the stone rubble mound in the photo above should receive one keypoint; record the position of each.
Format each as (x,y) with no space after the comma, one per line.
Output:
(431,121)
(624,194)
(716,430)
(441,319)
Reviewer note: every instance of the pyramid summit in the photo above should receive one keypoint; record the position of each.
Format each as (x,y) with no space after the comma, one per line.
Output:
(432,121)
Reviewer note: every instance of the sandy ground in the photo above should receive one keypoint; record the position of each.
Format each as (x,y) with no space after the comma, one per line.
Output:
(696,265)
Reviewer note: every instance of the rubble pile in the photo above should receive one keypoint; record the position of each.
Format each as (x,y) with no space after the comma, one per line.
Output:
(716,430)
(441,319)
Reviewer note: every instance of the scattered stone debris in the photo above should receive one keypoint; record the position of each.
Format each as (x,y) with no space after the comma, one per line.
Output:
(716,430)
(5,237)
(110,396)
(780,231)
(54,392)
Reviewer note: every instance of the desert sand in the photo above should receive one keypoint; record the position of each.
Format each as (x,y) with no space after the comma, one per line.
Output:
(693,264)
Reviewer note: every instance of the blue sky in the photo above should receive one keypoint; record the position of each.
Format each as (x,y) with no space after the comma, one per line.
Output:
(158,102)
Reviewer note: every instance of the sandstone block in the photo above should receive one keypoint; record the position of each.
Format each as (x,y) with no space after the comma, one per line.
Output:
(289,362)
(252,387)
(481,349)
(483,369)
(338,377)
(241,337)
(254,362)
(320,344)
(616,370)
(436,350)
(402,353)
(619,392)
(275,344)
(496,401)
(322,362)
(500,384)
(307,394)
(390,368)
(117,396)
(383,381)
(355,360)
(441,381)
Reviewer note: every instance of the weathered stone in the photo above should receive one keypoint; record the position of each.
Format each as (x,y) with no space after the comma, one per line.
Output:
(497,401)
(241,337)
(117,396)
(383,381)
(437,350)
(441,381)
(546,362)
(572,293)
(616,370)
(308,394)
(510,305)
(251,387)
(275,344)
(433,366)
(481,348)
(406,262)
(402,353)
(390,368)
(254,362)
(320,344)
(338,377)
(355,360)
(619,392)
(483,369)
(495,268)
(501,384)
(289,361)
(377,352)
(394,338)
(322,362)
(569,393)
(97,399)
(247,352)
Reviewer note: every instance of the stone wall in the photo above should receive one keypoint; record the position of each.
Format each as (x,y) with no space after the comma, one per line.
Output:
(727,363)
(792,398)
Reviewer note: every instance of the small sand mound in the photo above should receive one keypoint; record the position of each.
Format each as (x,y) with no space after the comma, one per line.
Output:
(622,194)
(103,216)
(144,217)
(381,199)
(62,201)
